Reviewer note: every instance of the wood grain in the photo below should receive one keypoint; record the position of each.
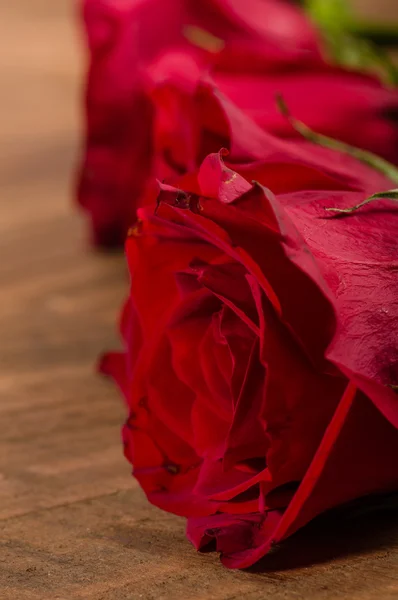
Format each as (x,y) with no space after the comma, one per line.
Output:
(73,522)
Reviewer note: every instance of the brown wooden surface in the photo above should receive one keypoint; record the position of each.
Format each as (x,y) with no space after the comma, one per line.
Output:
(73,524)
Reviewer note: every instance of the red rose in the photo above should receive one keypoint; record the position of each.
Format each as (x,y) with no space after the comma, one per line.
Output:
(345,105)
(261,47)
(261,344)
(208,119)
(124,37)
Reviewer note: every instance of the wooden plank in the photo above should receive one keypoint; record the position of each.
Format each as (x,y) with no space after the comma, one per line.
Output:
(73,522)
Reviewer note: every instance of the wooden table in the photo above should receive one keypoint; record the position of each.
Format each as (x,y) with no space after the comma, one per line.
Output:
(73,522)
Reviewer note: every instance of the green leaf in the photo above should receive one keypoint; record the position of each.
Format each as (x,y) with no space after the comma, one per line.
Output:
(352,42)
(329,14)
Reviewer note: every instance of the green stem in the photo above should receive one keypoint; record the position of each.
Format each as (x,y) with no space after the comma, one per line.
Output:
(389,195)
(364,156)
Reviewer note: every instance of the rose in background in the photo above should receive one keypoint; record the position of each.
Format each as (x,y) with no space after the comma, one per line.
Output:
(250,51)
(208,119)
(124,37)
(260,340)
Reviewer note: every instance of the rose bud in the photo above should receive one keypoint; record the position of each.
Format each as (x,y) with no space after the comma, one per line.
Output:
(260,349)
(123,39)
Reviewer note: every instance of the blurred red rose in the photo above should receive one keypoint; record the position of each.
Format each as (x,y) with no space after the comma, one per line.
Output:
(195,114)
(124,36)
(259,50)
(260,349)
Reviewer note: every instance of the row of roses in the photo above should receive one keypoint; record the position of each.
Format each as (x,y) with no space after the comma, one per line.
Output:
(260,332)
